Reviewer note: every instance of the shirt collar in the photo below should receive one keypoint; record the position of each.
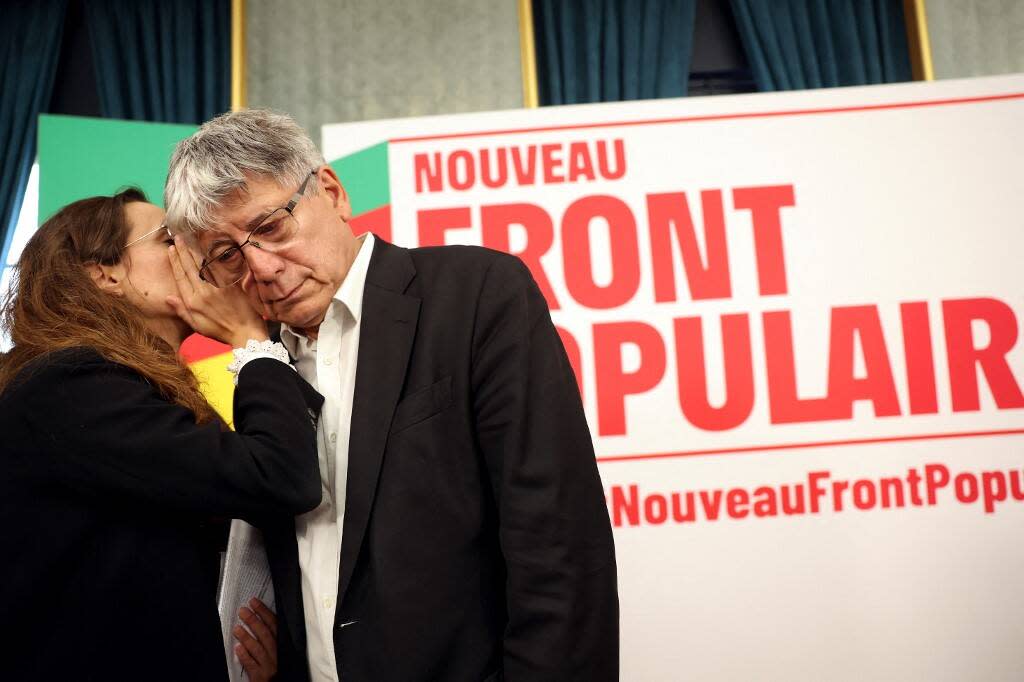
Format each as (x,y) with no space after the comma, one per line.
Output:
(349,294)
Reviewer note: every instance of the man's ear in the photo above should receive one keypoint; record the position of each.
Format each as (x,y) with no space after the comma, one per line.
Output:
(335,192)
(108,278)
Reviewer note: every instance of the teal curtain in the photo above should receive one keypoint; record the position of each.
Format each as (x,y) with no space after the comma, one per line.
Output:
(802,44)
(612,50)
(30,35)
(161,60)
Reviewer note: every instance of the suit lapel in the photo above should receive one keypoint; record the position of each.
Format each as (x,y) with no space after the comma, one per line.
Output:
(283,557)
(387,331)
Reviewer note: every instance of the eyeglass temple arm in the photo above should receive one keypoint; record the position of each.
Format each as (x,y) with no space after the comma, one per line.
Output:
(299,192)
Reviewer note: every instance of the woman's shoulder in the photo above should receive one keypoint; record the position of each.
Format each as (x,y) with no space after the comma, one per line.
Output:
(56,366)
(68,359)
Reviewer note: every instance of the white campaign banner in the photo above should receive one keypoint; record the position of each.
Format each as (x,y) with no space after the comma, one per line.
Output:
(795,321)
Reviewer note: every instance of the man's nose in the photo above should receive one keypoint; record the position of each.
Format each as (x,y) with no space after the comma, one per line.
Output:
(264,265)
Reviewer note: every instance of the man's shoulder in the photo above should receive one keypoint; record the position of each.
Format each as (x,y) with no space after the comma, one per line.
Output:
(465,263)
(458,253)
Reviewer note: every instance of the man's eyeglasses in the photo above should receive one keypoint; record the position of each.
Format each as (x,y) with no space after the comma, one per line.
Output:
(225,265)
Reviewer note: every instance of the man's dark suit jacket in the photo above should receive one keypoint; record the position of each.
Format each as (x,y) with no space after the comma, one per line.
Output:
(476,544)
(105,488)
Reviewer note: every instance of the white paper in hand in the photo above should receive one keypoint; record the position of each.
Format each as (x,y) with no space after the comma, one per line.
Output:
(246,575)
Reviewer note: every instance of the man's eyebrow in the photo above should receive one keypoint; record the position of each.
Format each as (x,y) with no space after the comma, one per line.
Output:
(255,222)
(217,242)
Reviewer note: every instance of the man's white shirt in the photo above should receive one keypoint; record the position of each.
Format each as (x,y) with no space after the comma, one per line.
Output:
(329,365)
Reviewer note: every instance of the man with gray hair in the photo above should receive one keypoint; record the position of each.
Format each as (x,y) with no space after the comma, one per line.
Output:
(463,533)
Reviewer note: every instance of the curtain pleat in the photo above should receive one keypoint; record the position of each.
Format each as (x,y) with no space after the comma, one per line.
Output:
(804,44)
(161,60)
(30,38)
(612,50)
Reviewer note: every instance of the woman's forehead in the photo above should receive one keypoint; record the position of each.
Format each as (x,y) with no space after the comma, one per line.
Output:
(142,216)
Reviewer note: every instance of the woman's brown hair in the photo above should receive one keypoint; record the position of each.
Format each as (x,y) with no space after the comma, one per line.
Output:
(54,304)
